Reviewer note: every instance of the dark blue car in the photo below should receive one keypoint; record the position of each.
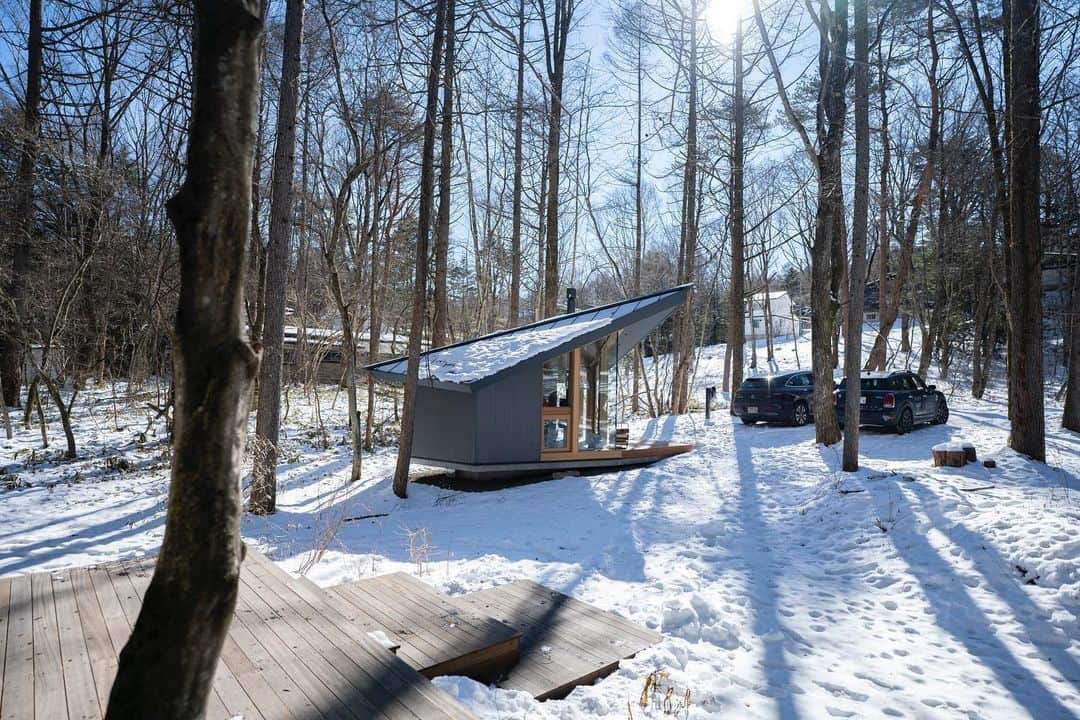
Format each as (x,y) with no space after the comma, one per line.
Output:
(897,400)
(784,398)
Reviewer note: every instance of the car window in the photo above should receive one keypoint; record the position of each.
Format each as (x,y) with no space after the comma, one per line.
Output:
(757,383)
(906,383)
(796,381)
(919,384)
(807,380)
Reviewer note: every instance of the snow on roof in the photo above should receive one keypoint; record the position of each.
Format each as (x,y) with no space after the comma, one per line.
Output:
(474,360)
(477,360)
(775,295)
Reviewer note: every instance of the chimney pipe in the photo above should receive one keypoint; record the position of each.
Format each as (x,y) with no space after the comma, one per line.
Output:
(571,300)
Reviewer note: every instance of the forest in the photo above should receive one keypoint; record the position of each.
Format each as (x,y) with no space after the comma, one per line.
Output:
(214,215)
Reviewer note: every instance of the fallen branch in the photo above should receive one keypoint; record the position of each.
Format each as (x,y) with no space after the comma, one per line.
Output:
(852,492)
(366,517)
(981,487)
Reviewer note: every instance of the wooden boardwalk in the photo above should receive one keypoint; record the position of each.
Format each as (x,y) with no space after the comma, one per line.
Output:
(565,642)
(289,653)
(434,635)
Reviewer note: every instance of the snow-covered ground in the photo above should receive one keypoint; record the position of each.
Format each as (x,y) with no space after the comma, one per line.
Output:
(784,587)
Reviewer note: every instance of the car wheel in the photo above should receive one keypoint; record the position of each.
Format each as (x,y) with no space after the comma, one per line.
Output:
(906,422)
(942,415)
(800,414)
(747,420)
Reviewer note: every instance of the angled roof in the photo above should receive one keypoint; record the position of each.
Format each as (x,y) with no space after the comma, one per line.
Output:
(474,363)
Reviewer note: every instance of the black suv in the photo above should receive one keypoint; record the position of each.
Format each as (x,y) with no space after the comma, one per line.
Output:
(776,398)
(896,400)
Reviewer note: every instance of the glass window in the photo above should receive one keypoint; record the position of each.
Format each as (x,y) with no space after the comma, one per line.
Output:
(557,382)
(917,381)
(597,375)
(556,435)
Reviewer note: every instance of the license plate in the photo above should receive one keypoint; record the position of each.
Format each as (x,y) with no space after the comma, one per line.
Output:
(752,410)
(862,400)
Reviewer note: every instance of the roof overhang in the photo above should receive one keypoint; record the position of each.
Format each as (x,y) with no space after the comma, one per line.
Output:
(639,316)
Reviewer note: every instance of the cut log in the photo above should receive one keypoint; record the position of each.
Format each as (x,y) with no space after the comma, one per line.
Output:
(949,455)
(969,452)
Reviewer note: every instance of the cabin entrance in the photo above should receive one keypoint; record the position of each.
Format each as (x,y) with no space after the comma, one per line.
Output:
(579,402)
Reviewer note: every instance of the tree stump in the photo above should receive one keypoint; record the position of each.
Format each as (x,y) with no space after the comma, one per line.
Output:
(949,455)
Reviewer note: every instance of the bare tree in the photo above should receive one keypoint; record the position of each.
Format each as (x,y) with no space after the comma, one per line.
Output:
(11,331)
(167,666)
(859,225)
(263,498)
(423,230)
(1024,241)
(556,36)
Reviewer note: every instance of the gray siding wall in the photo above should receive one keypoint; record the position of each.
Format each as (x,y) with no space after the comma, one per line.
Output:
(508,417)
(445,425)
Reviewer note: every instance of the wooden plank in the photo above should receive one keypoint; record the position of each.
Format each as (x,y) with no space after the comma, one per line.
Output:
(418,649)
(477,643)
(566,642)
(270,669)
(319,680)
(130,597)
(48,669)
(552,656)
(99,647)
(17,699)
(362,674)
(78,677)
(408,686)
(656,451)
(112,612)
(527,589)
(227,698)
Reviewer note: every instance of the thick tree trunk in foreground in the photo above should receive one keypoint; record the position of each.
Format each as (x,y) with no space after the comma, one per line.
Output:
(736,327)
(1024,251)
(423,230)
(860,218)
(828,244)
(268,421)
(167,667)
(11,331)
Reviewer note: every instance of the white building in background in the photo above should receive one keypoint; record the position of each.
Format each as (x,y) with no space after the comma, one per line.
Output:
(771,309)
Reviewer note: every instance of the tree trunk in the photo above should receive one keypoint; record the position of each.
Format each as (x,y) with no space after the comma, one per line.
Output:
(859,225)
(167,667)
(1070,418)
(263,499)
(1024,243)
(423,230)
(826,253)
(12,327)
(556,35)
(683,352)
(736,326)
(440,317)
(519,120)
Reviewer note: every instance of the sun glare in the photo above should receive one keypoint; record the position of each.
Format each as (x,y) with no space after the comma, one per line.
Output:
(722,18)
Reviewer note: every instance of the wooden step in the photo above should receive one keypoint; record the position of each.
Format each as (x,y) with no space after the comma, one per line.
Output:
(436,636)
(565,642)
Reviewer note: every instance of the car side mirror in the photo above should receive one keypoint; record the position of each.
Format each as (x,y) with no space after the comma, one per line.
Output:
(931,387)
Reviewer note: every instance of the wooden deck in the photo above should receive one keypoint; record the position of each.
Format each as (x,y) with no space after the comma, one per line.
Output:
(565,642)
(295,650)
(435,636)
(289,652)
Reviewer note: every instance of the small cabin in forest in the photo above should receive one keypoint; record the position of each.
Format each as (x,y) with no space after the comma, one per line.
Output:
(538,398)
